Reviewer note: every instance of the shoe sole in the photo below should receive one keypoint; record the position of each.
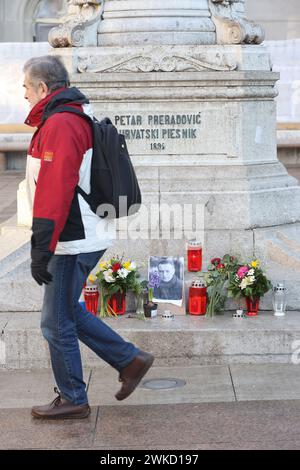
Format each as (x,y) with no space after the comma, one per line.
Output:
(67,416)
(143,372)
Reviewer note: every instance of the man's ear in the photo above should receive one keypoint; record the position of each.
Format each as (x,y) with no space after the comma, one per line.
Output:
(44,90)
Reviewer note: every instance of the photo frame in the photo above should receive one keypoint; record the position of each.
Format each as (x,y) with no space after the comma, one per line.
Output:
(168,291)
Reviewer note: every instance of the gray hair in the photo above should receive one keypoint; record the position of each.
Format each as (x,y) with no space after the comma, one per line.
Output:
(48,69)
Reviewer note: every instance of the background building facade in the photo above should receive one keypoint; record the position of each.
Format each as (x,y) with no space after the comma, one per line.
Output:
(30,20)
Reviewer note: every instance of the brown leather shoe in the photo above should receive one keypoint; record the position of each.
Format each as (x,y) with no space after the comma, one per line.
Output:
(132,374)
(60,408)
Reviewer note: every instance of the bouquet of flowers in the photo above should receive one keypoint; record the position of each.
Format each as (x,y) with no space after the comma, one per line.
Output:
(217,280)
(248,280)
(115,276)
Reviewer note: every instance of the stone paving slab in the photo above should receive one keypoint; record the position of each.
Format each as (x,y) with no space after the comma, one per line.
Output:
(243,424)
(22,431)
(266,381)
(275,445)
(26,388)
(198,416)
(238,425)
(202,384)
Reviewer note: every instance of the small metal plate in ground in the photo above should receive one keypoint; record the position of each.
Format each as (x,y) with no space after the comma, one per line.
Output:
(163,383)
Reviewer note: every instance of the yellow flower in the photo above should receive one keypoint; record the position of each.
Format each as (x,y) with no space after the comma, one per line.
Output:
(254,263)
(92,278)
(127,264)
(103,265)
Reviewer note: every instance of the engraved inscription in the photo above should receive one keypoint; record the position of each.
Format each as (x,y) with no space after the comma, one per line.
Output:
(158,129)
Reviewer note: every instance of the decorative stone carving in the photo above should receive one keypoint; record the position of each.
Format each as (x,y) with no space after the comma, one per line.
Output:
(79,26)
(83,25)
(164,62)
(231,26)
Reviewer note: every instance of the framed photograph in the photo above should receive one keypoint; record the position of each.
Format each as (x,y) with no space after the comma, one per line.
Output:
(169,275)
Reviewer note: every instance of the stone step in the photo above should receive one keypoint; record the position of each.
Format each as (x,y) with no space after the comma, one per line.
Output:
(186,340)
(14,246)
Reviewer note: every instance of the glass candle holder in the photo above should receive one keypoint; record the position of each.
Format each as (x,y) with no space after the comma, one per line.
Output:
(279,300)
(118,303)
(197,298)
(252,306)
(194,255)
(91,298)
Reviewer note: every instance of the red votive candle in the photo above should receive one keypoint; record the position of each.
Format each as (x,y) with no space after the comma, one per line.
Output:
(194,255)
(91,299)
(197,298)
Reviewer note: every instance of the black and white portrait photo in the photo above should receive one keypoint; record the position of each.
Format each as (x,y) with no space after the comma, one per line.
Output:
(166,275)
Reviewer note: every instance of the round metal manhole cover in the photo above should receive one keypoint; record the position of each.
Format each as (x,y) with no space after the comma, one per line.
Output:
(163,384)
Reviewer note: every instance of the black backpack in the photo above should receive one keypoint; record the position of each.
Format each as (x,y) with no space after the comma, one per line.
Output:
(115,191)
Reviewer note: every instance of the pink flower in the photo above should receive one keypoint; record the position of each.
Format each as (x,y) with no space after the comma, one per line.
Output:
(242,271)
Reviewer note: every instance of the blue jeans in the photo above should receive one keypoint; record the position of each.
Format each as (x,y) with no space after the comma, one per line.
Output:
(64,321)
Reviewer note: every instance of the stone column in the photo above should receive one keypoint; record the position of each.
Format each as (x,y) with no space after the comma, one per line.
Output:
(193,90)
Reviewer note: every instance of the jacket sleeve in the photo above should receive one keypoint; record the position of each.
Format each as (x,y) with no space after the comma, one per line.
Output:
(63,142)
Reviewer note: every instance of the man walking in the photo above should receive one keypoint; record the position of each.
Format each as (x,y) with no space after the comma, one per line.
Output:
(68,239)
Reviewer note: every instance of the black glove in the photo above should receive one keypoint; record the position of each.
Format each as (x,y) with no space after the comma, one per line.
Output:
(39,263)
(42,231)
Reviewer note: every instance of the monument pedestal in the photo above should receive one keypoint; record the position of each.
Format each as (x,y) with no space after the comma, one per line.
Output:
(193,93)
(206,139)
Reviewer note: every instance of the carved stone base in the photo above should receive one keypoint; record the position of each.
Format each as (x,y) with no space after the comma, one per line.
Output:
(165,58)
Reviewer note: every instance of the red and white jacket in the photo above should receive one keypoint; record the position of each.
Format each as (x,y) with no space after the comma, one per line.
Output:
(59,159)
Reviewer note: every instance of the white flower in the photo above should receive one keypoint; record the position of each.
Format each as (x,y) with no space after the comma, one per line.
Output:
(123,273)
(108,276)
(247,281)
(132,266)
(250,272)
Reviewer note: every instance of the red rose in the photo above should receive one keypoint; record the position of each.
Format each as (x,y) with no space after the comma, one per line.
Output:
(220,266)
(216,261)
(116,267)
